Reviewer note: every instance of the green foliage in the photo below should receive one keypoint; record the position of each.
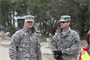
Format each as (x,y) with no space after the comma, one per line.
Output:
(44,13)
(6,12)
(47,12)
(13,30)
(78,26)
(21,22)
(37,9)
(21,7)
(80,14)
(87,25)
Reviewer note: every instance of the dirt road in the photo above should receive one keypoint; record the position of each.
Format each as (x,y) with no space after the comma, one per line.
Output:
(4,53)
(45,49)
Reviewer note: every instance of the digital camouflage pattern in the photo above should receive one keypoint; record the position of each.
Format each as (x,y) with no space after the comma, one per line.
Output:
(68,43)
(25,45)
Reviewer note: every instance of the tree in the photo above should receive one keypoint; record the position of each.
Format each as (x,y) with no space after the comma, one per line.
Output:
(82,14)
(21,7)
(46,14)
(7,13)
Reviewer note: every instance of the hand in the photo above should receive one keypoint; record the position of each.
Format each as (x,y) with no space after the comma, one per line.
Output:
(57,53)
(59,57)
(55,56)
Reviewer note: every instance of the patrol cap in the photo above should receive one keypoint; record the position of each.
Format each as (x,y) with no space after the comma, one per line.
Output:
(65,18)
(29,18)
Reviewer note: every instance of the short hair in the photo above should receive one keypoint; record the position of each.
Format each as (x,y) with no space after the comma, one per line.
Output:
(88,36)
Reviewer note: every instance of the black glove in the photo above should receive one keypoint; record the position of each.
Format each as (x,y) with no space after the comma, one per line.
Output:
(59,57)
(57,53)
(55,56)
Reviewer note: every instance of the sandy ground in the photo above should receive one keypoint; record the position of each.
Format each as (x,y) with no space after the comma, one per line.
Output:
(45,49)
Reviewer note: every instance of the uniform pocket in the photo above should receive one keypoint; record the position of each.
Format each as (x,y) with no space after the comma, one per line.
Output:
(23,54)
(23,58)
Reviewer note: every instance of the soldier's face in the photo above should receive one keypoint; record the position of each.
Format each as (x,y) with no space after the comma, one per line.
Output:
(64,24)
(29,24)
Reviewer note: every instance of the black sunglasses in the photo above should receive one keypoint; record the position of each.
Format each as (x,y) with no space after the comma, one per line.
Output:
(62,22)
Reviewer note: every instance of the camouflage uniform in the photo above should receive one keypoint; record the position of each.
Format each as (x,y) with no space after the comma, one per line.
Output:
(25,45)
(68,43)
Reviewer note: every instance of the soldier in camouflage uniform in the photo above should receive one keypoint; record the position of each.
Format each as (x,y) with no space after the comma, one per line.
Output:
(66,43)
(25,44)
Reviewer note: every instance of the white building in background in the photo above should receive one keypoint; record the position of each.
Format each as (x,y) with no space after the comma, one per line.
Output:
(16,20)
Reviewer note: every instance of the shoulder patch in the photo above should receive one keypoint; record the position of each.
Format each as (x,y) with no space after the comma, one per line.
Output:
(53,37)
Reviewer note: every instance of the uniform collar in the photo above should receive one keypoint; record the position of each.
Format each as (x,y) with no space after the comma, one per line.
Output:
(65,33)
(25,28)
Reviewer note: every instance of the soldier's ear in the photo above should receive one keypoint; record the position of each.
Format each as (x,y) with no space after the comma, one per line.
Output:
(33,23)
(24,22)
(68,23)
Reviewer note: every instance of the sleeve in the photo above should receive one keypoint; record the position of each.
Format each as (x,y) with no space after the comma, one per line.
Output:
(13,47)
(75,45)
(39,55)
(54,42)
(54,45)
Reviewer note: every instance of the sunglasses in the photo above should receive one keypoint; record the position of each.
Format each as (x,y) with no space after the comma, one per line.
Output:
(62,22)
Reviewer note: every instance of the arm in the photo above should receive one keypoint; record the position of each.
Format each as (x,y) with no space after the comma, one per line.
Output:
(39,57)
(75,45)
(56,54)
(13,47)
(54,42)
(54,45)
